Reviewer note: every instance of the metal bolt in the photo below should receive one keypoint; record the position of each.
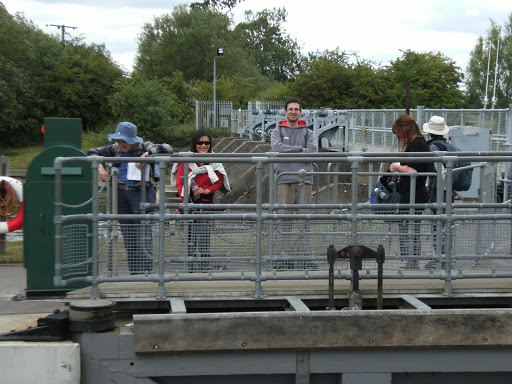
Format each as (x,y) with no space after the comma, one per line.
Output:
(244,344)
(371,342)
(155,346)
(485,340)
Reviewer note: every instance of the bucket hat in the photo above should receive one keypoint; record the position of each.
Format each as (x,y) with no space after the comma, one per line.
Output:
(126,131)
(436,126)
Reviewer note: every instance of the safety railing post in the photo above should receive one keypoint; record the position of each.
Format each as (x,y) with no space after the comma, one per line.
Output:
(258,291)
(161,295)
(58,222)
(95,292)
(448,288)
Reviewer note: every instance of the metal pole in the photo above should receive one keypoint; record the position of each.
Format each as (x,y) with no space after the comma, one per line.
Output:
(57,277)
(258,290)
(487,79)
(495,75)
(214,94)
(161,295)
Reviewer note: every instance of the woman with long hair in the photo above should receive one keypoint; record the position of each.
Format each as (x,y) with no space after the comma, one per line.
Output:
(204,179)
(410,139)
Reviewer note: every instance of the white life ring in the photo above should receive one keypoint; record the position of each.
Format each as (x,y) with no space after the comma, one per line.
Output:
(17,222)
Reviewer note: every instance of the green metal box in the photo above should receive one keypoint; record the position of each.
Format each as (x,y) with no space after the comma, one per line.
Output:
(62,138)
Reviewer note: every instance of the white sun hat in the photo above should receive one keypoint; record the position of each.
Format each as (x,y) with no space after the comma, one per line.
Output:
(436,126)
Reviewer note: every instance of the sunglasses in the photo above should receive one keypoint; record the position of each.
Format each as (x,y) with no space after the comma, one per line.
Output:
(203,142)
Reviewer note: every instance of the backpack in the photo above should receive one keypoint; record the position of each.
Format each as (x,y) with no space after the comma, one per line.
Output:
(461,180)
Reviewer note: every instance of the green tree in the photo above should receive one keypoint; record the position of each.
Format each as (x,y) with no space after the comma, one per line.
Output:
(369,90)
(41,77)
(22,47)
(240,90)
(78,84)
(151,105)
(217,4)
(326,79)
(484,56)
(434,81)
(276,54)
(187,40)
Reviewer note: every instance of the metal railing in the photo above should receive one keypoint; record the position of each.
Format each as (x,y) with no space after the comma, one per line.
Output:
(269,241)
(370,130)
(205,115)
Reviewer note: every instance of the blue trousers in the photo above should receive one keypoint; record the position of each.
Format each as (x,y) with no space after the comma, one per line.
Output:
(137,238)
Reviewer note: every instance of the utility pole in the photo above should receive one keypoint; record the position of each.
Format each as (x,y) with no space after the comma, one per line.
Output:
(62,28)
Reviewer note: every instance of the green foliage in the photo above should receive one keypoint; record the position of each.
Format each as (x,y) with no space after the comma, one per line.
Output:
(330,79)
(434,81)
(276,54)
(240,90)
(39,76)
(79,84)
(326,79)
(151,105)
(276,91)
(22,46)
(185,40)
(93,139)
(217,4)
(484,56)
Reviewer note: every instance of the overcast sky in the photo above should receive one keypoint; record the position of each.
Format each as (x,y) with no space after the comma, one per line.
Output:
(376,29)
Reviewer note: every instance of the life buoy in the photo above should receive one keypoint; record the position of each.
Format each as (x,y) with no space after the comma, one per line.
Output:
(17,222)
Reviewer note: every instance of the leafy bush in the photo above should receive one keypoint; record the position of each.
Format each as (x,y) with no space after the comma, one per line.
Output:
(151,105)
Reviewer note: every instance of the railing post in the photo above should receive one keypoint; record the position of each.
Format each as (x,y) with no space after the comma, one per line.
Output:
(57,165)
(448,288)
(258,291)
(95,292)
(161,231)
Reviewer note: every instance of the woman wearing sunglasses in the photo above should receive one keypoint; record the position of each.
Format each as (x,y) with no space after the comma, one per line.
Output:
(204,179)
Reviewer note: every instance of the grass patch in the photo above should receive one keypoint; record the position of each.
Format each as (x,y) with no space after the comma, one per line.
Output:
(20,158)
(13,253)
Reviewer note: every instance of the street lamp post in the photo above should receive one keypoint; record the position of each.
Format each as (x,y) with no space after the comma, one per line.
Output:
(220,53)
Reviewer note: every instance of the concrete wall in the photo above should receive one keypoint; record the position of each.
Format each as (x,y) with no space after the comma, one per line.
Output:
(39,362)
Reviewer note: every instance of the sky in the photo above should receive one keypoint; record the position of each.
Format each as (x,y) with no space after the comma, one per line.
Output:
(376,30)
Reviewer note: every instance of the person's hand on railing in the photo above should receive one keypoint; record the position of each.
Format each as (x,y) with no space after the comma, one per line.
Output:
(103,173)
(139,165)
(397,167)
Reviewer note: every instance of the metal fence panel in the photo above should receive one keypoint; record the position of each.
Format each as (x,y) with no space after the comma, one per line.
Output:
(233,241)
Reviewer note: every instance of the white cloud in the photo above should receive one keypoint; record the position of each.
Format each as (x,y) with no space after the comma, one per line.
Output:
(377,30)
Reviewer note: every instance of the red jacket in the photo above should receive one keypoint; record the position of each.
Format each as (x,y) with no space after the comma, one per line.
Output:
(202,181)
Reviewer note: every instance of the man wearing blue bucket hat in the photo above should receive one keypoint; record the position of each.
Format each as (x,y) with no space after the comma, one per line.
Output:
(137,238)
